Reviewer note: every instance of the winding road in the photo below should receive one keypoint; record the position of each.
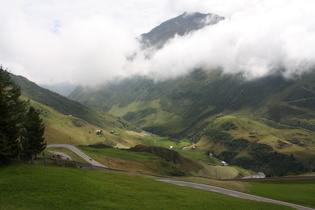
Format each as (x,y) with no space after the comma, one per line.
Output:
(233,193)
(189,184)
(78,152)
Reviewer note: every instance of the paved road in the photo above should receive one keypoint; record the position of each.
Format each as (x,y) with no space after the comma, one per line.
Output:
(63,155)
(233,193)
(78,152)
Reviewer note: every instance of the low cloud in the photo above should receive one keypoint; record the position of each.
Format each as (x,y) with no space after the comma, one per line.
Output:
(88,43)
(255,41)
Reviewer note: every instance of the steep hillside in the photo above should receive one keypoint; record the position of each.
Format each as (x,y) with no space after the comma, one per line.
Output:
(65,129)
(69,107)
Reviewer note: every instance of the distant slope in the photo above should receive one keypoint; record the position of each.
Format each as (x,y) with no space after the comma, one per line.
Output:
(63,89)
(156,106)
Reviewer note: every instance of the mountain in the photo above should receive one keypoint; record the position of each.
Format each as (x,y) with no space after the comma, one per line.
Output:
(265,124)
(180,25)
(174,106)
(224,115)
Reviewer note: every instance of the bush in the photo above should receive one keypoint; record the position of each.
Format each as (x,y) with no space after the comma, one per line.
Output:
(228,126)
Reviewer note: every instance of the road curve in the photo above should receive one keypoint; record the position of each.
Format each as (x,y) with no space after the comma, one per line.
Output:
(78,152)
(233,193)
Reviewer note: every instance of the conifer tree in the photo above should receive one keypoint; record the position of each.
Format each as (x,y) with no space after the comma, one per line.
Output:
(12,111)
(32,134)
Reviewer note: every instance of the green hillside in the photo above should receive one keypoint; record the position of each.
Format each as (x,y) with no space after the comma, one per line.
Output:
(189,108)
(252,144)
(70,122)
(65,129)
(174,107)
(50,187)
(69,107)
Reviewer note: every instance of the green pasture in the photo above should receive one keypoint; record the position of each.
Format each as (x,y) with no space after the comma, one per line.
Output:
(118,153)
(298,191)
(26,186)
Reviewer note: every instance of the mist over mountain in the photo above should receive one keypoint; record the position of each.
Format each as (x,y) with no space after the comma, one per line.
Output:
(96,42)
(175,107)
(229,112)
(63,89)
(180,25)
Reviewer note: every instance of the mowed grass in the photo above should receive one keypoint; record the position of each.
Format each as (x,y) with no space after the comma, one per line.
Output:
(298,191)
(49,187)
(124,159)
(119,153)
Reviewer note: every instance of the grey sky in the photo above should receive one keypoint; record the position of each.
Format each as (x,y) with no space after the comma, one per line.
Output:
(87,41)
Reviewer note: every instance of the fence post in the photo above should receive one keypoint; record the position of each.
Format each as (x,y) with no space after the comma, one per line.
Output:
(32,159)
(44,158)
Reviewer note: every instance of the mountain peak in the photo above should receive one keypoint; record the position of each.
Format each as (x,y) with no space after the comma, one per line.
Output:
(180,25)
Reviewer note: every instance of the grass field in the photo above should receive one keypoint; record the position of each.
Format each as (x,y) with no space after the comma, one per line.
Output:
(298,191)
(118,153)
(48,187)
(125,160)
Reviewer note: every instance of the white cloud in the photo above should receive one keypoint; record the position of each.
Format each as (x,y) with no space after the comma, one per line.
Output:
(256,39)
(88,41)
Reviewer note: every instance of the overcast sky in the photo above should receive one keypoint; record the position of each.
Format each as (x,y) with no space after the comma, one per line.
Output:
(87,41)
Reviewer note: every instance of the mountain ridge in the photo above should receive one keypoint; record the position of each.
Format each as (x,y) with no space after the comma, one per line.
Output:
(180,25)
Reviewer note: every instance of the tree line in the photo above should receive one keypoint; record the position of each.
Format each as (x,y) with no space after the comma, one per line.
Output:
(21,128)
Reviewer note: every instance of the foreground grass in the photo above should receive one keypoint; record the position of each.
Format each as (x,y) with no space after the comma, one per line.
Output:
(298,191)
(47,187)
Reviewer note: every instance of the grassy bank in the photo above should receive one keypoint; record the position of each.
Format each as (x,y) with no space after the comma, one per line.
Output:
(47,187)
(298,191)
